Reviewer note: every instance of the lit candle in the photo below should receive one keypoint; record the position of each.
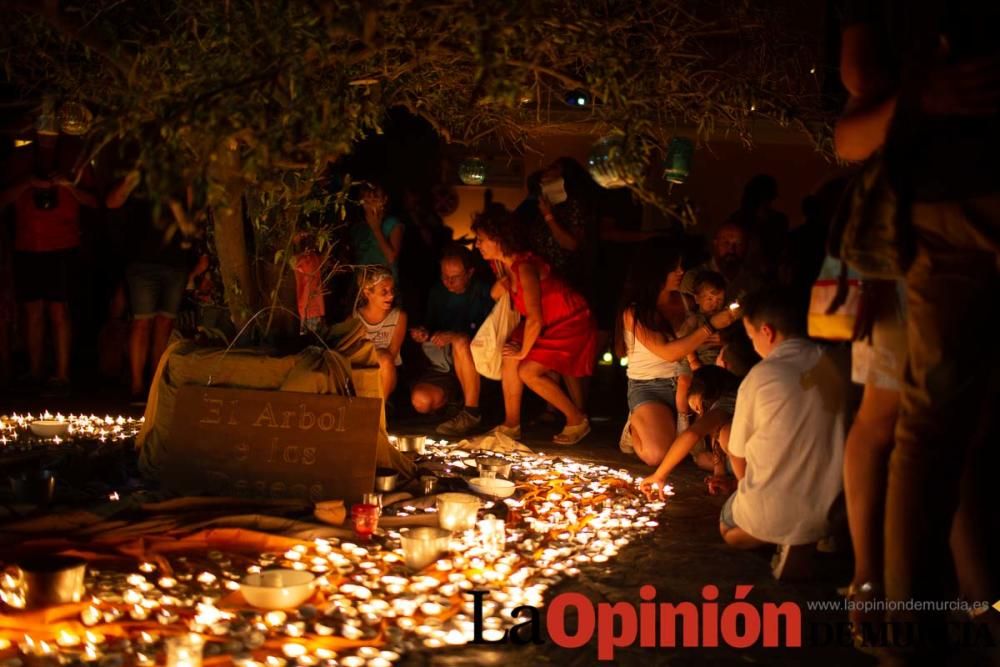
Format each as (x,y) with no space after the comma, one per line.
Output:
(184,650)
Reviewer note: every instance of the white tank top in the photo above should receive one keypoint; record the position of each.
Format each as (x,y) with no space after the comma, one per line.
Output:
(381,334)
(644,365)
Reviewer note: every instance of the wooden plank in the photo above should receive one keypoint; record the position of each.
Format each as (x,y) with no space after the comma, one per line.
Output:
(271,444)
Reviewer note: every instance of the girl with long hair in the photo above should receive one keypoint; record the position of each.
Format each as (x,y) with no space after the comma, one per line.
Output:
(653,311)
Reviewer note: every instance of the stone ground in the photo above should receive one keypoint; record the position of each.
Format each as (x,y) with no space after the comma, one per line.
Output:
(681,556)
(684,554)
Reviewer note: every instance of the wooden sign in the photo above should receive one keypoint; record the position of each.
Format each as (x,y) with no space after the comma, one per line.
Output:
(271,444)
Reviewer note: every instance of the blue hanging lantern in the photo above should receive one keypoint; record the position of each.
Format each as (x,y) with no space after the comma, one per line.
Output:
(472,171)
(611,165)
(677,165)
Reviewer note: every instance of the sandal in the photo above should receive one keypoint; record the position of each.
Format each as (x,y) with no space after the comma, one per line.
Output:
(858,594)
(573,434)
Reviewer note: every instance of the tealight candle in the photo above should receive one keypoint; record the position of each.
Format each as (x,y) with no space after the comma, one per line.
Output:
(294,650)
(184,650)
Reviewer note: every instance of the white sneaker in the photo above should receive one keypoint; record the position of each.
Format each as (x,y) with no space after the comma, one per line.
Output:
(625,442)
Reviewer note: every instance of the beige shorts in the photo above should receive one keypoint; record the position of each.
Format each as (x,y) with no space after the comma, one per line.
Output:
(881,361)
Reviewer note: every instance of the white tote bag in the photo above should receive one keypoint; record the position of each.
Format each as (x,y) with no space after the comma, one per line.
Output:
(487,346)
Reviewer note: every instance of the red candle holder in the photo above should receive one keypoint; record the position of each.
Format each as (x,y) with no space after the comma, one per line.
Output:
(365,519)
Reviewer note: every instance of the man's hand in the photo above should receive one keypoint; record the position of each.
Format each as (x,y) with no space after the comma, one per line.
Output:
(652,487)
(419,334)
(513,351)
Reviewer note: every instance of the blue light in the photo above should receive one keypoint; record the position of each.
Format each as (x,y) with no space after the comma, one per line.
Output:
(581,101)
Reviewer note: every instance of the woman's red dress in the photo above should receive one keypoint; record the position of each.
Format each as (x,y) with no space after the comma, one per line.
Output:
(567,343)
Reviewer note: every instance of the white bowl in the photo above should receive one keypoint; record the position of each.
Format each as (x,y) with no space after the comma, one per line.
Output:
(498,488)
(48,428)
(278,589)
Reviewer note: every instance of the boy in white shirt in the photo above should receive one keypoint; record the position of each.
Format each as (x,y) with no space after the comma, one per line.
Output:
(787,438)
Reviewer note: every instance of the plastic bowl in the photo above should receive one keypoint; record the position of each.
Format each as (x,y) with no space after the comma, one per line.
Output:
(278,589)
(48,428)
(498,488)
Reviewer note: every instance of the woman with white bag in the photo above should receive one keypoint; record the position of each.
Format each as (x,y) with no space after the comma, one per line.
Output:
(557,332)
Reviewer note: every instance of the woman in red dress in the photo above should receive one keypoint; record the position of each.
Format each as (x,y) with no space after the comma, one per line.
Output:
(557,333)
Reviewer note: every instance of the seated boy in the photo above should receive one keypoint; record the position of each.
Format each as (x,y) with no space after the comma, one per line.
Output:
(456,306)
(786,444)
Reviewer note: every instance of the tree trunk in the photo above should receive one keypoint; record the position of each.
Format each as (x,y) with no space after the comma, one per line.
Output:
(230,238)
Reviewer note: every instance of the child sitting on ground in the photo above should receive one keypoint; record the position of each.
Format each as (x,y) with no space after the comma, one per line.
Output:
(385,324)
(709,296)
(713,398)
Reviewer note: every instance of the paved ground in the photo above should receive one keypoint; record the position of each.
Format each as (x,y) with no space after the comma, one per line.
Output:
(683,555)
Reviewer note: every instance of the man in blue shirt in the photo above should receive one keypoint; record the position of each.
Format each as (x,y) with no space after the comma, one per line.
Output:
(456,306)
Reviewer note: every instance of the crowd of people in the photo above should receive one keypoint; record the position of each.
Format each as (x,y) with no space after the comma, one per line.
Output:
(720,366)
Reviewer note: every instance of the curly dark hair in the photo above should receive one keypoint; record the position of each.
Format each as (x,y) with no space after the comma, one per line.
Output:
(503,227)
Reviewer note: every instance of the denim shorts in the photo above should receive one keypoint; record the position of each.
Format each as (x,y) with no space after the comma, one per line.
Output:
(726,515)
(660,390)
(155,289)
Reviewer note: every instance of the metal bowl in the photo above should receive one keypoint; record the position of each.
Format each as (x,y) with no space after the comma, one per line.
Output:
(499,467)
(411,443)
(385,480)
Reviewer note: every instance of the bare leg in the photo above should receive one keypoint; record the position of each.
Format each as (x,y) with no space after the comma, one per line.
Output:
(34,334)
(577,391)
(653,429)
(162,326)
(739,538)
(138,351)
(62,335)
(535,376)
(465,369)
(513,388)
(866,472)
(387,373)
(427,398)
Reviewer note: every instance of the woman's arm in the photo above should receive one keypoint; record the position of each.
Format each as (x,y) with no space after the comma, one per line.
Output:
(390,246)
(531,290)
(862,128)
(398,335)
(501,287)
(673,350)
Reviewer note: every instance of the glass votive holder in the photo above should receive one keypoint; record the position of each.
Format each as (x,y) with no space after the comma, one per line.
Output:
(364,516)
(184,650)
(428,484)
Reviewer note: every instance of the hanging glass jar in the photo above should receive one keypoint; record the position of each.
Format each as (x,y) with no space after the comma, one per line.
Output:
(74,118)
(472,171)
(612,165)
(677,164)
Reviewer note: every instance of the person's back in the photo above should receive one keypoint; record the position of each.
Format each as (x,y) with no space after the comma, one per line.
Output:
(789,426)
